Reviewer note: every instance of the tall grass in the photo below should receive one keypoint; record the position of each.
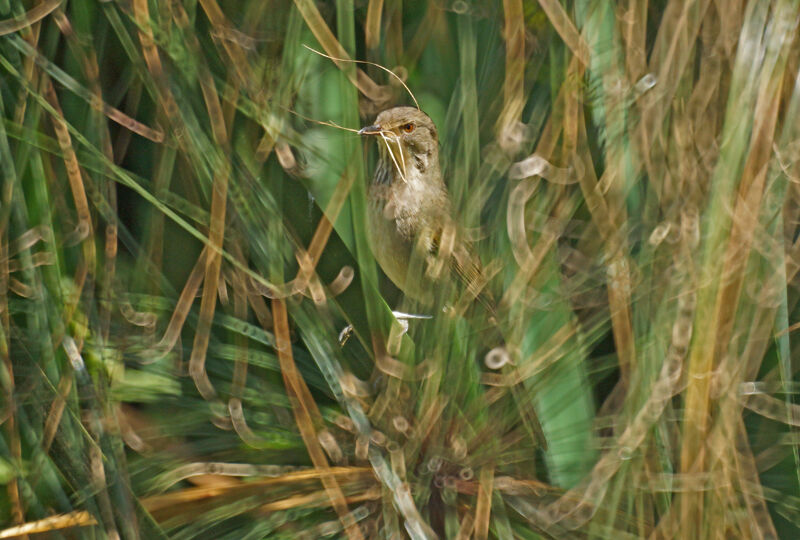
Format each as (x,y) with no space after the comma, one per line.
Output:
(183,237)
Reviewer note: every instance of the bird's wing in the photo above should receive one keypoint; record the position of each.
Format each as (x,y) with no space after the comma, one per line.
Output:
(448,248)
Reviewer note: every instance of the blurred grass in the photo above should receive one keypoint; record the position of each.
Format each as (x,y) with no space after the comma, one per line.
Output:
(181,244)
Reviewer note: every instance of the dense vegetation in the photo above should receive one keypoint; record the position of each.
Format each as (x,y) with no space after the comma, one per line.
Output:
(183,238)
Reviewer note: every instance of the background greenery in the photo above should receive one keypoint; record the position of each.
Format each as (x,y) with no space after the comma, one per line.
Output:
(181,242)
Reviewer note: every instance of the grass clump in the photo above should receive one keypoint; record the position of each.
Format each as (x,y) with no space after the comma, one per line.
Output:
(183,236)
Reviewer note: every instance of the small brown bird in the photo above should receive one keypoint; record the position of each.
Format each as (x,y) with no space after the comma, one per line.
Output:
(409,208)
(408,201)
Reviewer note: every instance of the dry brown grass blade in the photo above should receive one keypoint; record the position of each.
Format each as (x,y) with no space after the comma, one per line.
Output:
(183,306)
(94,95)
(483,505)
(31,36)
(331,214)
(163,504)
(240,309)
(48,525)
(131,124)
(83,231)
(196,494)
(9,417)
(219,201)
(634,32)
(305,411)
(318,500)
(619,301)
(743,471)
(372,28)
(56,410)
(232,47)
(466,528)
(590,188)
(570,97)
(99,481)
(91,69)
(141,13)
(71,165)
(619,276)
(717,328)
(746,211)
(308,259)
(539,360)
(316,23)
(244,76)
(566,29)
(529,262)
(239,424)
(773,408)
(674,43)
(209,298)
(28,18)
(513,97)
(260,308)
(671,54)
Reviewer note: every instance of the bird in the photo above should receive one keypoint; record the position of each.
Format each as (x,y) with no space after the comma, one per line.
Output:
(409,209)
(409,206)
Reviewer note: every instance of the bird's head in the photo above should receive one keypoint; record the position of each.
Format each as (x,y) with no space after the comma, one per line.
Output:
(408,144)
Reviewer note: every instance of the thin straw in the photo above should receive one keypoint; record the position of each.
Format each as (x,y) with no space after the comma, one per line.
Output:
(392,73)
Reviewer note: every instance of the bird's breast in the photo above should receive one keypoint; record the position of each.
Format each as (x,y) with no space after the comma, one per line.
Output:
(403,212)
(391,244)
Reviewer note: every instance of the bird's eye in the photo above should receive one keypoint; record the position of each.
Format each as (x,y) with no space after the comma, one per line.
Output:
(408,128)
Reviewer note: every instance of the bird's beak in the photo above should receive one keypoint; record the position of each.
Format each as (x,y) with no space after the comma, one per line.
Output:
(370,130)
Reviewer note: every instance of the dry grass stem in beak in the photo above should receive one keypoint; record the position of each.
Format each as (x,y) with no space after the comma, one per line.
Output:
(400,170)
